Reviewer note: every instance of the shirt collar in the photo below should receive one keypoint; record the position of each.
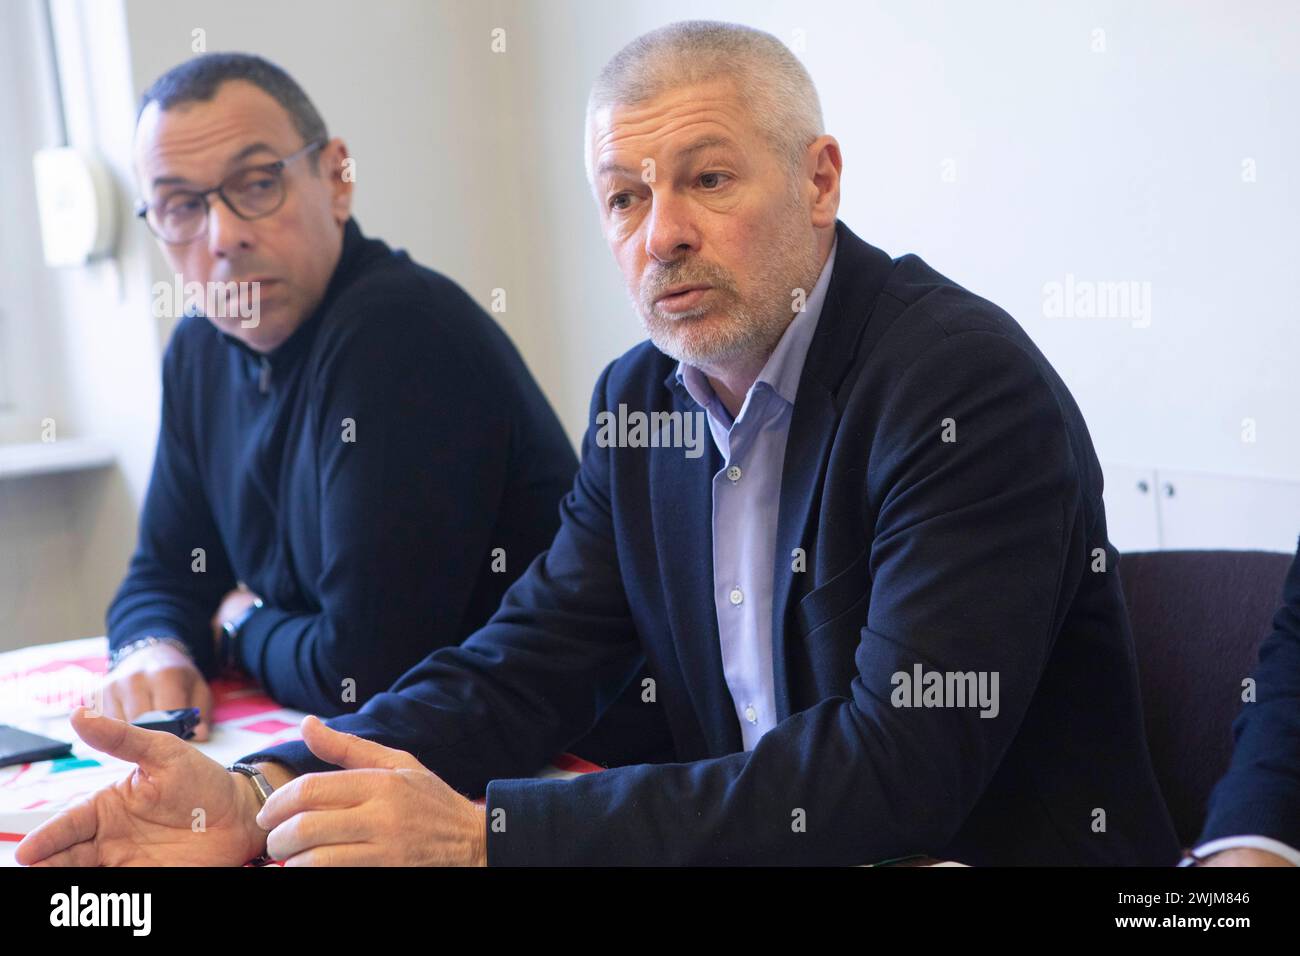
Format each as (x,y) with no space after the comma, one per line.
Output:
(784,367)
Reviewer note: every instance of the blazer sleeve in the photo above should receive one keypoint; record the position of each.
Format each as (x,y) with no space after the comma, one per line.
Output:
(976,545)
(533,679)
(1260,793)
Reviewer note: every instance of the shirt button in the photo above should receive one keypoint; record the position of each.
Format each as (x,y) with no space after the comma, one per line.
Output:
(736,596)
(751,714)
(734,473)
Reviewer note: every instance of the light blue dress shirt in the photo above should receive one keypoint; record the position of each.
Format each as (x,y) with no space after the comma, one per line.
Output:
(746,500)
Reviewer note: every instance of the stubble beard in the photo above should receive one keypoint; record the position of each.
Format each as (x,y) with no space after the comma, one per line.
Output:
(732,330)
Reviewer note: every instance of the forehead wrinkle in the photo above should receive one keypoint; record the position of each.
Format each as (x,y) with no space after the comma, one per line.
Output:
(712,123)
(199,141)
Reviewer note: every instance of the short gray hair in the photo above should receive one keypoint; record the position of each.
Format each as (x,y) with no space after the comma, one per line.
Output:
(768,77)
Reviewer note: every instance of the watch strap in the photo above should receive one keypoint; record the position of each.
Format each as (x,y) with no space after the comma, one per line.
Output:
(262,787)
(230,633)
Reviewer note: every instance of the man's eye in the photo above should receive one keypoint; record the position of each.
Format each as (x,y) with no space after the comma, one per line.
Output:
(254,187)
(182,207)
(712,180)
(616,202)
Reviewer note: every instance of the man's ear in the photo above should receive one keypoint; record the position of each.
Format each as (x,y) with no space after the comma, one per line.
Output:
(340,169)
(823,167)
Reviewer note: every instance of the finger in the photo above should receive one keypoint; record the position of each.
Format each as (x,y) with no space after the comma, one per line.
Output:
(350,751)
(57,838)
(201,697)
(117,738)
(80,855)
(171,690)
(337,790)
(352,854)
(174,689)
(136,695)
(303,831)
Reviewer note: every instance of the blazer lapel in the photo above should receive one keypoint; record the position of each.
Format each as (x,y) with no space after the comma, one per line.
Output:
(682,505)
(859,273)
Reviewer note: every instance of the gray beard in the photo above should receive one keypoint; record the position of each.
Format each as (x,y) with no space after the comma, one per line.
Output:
(749,335)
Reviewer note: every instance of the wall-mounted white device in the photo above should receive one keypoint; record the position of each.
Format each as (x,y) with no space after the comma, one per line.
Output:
(77,204)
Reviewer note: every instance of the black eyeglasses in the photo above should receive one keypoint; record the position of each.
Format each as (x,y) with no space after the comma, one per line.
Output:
(251,193)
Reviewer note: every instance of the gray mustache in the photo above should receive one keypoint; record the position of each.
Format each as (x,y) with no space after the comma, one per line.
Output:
(663,281)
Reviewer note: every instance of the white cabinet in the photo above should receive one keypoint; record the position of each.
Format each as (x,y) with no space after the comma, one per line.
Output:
(1132,519)
(1221,511)
(1165,509)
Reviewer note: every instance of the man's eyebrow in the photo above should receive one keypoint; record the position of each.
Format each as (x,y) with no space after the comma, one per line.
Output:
(704,142)
(170,181)
(609,166)
(710,141)
(250,150)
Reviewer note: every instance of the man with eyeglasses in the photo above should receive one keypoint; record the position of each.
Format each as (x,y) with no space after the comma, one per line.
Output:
(349,475)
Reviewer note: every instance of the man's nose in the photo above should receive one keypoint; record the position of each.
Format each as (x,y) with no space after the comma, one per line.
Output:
(227,233)
(671,231)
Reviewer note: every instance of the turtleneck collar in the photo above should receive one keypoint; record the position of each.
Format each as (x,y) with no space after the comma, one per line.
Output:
(291,349)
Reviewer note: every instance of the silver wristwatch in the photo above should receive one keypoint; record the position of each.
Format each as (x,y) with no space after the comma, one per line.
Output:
(262,787)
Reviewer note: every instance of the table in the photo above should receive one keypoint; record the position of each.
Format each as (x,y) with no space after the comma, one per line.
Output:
(40,686)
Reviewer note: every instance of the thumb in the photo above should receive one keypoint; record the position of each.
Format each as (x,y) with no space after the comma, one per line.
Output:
(352,752)
(202,699)
(117,738)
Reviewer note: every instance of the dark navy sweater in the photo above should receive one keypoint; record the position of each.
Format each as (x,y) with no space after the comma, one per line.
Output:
(368,552)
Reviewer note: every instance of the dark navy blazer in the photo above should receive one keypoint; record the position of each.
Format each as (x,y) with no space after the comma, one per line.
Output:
(984,555)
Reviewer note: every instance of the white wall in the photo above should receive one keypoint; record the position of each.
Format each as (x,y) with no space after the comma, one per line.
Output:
(81,347)
(993,139)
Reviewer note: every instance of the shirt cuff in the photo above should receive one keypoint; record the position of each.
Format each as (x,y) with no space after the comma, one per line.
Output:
(1286,852)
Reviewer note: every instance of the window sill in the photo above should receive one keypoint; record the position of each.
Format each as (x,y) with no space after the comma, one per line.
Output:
(47,458)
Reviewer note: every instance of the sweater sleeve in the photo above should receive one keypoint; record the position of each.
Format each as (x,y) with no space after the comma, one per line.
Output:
(180,569)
